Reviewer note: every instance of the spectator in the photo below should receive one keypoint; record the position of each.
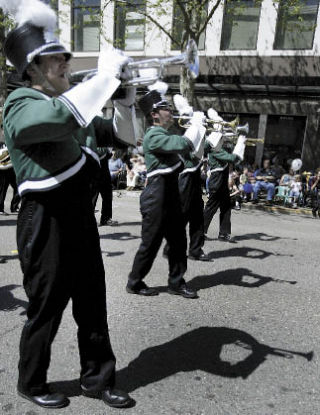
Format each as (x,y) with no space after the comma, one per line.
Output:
(245,186)
(277,168)
(295,189)
(115,166)
(136,176)
(7,177)
(286,178)
(234,194)
(265,179)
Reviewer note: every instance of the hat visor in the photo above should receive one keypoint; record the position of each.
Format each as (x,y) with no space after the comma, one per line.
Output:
(53,50)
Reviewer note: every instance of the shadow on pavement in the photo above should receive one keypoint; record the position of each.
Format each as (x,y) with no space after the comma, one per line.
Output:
(129,223)
(8,222)
(120,236)
(233,277)
(245,252)
(8,302)
(112,254)
(261,237)
(199,349)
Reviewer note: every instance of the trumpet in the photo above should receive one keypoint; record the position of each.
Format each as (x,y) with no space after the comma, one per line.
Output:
(189,58)
(208,122)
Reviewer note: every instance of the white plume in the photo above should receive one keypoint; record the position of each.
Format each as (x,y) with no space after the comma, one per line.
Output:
(159,86)
(182,105)
(213,115)
(31,11)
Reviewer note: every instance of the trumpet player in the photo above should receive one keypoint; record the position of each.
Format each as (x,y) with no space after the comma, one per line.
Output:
(52,135)
(160,202)
(219,196)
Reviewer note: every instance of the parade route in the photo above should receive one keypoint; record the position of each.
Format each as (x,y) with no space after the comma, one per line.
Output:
(249,345)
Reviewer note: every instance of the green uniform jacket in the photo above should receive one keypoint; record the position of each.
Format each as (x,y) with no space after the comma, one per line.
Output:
(45,141)
(162,149)
(218,160)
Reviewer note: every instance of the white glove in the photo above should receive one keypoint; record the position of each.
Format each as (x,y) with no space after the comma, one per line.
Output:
(215,139)
(213,115)
(240,147)
(182,105)
(198,118)
(113,62)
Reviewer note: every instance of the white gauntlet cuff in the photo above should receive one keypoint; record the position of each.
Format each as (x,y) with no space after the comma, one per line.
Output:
(124,123)
(195,133)
(86,99)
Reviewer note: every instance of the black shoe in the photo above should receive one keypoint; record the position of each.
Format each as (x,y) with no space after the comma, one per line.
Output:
(108,222)
(269,203)
(314,213)
(15,210)
(202,257)
(3,213)
(183,290)
(47,400)
(116,398)
(142,289)
(255,201)
(225,237)
(112,397)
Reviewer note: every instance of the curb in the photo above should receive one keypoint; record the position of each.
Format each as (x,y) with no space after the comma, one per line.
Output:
(278,209)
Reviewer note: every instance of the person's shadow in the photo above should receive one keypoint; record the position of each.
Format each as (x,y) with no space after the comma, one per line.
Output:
(233,277)
(8,302)
(220,351)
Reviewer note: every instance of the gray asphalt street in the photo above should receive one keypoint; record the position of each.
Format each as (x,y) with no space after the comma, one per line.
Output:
(249,345)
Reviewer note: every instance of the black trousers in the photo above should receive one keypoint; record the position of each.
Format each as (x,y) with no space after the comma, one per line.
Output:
(219,197)
(192,210)
(161,218)
(103,186)
(8,177)
(59,251)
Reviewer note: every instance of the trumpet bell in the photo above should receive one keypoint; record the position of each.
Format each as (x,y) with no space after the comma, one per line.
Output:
(243,129)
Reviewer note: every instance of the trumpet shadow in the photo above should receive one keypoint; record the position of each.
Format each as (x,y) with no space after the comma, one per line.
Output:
(201,349)
(119,236)
(233,277)
(245,252)
(260,236)
(8,302)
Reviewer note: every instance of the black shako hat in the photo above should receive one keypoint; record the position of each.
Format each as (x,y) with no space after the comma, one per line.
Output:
(26,42)
(151,101)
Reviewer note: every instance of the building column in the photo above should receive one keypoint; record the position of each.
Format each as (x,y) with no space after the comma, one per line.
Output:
(263,119)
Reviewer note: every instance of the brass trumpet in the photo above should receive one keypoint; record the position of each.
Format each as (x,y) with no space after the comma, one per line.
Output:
(184,122)
(188,58)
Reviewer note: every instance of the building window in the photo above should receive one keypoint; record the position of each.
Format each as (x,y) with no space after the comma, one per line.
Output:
(129,25)
(86,25)
(240,25)
(178,25)
(296,25)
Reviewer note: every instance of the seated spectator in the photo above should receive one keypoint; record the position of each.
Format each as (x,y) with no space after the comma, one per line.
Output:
(295,189)
(265,179)
(286,178)
(116,165)
(234,194)
(205,173)
(245,186)
(277,168)
(138,173)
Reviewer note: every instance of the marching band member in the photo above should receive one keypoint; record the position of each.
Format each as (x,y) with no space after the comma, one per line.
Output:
(219,197)
(191,193)
(160,202)
(52,135)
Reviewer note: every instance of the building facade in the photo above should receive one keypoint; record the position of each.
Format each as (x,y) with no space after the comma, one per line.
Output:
(258,59)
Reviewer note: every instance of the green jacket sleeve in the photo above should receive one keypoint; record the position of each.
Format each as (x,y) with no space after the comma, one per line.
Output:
(31,120)
(223,155)
(162,142)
